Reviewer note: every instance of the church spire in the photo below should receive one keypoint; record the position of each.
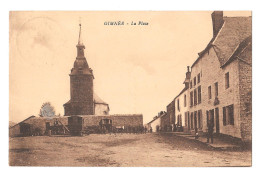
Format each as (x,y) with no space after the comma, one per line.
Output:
(81,64)
(80,45)
(80,41)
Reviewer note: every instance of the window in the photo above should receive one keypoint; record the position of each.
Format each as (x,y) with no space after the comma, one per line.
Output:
(178,104)
(185,101)
(194,80)
(199,94)
(191,99)
(209,92)
(179,121)
(198,78)
(227,80)
(195,97)
(190,84)
(216,89)
(228,115)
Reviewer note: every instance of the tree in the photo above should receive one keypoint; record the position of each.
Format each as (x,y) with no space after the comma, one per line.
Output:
(47,110)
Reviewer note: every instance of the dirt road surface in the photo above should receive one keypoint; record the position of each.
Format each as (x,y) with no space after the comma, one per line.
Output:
(127,150)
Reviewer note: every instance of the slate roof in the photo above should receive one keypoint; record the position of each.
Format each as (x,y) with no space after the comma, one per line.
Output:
(239,49)
(233,32)
(163,114)
(22,121)
(98,100)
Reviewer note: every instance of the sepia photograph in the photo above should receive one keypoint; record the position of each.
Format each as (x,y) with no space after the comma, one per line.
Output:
(130,88)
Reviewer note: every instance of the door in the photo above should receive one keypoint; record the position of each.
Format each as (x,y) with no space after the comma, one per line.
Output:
(217,120)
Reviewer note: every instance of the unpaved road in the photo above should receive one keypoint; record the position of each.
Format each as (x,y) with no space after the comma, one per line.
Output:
(131,150)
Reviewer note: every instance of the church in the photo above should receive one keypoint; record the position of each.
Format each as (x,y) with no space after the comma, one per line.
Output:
(83,100)
(83,104)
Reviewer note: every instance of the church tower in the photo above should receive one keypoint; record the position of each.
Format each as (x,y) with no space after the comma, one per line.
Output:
(81,85)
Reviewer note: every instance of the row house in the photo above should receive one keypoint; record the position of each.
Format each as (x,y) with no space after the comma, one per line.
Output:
(155,125)
(221,80)
(181,105)
(219,84)
(168,120)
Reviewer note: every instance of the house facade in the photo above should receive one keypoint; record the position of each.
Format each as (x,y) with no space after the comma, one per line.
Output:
(168,119)
(181,104)
(217,77)
(155,125)
(219,84)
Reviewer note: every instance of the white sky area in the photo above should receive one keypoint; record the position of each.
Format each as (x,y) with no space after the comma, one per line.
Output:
(137,69)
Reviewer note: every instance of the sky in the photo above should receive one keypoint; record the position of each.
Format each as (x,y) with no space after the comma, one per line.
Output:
(138,69)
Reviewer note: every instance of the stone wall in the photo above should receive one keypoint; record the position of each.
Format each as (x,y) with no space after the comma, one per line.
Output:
(245,92)
(165,121)
(171,112)
(81,91)
(117,120)
(127,120)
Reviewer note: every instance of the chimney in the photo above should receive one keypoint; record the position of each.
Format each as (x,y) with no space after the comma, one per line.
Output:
(187,79)
(188,73)
(217,21)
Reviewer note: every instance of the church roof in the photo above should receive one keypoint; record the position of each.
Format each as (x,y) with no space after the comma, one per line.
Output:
(98,100)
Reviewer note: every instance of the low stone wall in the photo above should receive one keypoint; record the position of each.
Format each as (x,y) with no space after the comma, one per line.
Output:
(117,120)
(39,123)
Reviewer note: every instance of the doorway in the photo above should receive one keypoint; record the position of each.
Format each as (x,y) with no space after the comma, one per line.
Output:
(210,114)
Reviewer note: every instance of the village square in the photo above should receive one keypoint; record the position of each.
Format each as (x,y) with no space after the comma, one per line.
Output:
(208,122)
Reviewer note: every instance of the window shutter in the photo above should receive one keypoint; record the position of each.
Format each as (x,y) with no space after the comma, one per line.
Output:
(201,119)
(207,118)
(231,114)
(224,116)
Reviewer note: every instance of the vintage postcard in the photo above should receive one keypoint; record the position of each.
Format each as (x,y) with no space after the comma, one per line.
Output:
(130,88)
